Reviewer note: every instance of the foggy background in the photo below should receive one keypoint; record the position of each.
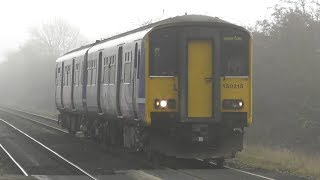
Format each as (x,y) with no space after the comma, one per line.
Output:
(286,60)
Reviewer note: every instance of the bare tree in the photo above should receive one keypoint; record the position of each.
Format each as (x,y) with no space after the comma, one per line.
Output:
(57,36)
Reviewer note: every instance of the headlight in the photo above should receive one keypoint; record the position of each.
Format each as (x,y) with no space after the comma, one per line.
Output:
(165,104)
(240,104)
(232,104)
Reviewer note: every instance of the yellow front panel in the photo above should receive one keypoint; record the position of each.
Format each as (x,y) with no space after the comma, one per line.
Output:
(162,88)
(236,88)
(199,78)
(158,88)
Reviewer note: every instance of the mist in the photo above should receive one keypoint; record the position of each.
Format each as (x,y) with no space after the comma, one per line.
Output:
(286,98)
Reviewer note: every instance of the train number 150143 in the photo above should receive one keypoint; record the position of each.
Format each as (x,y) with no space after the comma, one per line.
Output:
(232,86)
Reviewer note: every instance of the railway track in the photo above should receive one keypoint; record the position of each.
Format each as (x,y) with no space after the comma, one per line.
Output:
(60,158)
(185,172)
(83,151)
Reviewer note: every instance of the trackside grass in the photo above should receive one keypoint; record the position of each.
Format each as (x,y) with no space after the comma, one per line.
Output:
(283,160)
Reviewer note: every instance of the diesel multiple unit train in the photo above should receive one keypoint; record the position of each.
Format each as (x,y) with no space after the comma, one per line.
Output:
(179,87)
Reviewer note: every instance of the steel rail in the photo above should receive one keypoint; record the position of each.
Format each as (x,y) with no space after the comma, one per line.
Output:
(26,112)
(58,129)
(186,173)
(227,167)
(17,164)
(242,171)
(52,151)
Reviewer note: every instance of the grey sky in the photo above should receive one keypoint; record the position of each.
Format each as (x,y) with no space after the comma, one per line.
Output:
(101,18)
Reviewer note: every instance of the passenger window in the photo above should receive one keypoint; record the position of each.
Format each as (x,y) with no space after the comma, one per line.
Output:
(56,80)
(76,74)
(112,70)
(127,68)
(106,72)
(66,76)
(135,55)
(138,65)
(89,73)
(94,70)
(69,76)
(58,77)
(59,80)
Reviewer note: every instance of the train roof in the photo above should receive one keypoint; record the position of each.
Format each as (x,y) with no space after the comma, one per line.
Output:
(178,20)
(135,36)
(78,53)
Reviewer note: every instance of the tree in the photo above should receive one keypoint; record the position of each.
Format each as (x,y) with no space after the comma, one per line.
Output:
(286,63)
(58,37)
(29,74)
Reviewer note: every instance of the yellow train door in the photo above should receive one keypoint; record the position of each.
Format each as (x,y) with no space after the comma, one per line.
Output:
(199,78)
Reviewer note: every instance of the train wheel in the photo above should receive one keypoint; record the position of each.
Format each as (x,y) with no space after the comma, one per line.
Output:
(220,162)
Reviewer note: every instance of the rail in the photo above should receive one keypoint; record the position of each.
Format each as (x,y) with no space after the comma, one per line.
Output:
(52,151)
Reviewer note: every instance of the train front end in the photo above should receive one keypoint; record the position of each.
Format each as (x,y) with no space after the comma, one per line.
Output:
(198,88)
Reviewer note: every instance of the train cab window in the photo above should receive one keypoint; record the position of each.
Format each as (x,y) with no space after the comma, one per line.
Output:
(235,54)
(163,52)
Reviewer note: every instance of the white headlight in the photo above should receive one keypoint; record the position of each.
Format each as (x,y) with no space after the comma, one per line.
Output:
(163,103)
(240,104)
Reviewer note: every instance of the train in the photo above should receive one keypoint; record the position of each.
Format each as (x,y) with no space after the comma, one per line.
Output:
(180,87)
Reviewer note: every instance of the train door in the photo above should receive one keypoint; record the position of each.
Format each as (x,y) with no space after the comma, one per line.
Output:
(62,83)
(200,78)
(72,85)
(58,86)
(99,81)
(119,74)
(135,80)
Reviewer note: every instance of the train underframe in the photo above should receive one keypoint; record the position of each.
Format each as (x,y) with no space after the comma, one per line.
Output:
(164,137)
